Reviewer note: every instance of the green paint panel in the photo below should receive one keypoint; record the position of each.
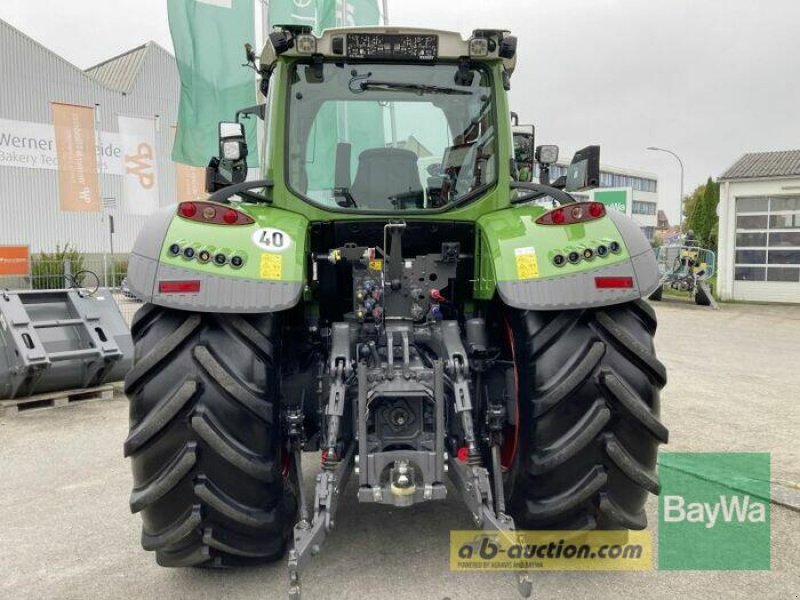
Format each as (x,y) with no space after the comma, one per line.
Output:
(515,248)
(278,235)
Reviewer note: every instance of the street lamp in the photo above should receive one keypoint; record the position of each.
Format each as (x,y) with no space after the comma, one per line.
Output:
(655,149)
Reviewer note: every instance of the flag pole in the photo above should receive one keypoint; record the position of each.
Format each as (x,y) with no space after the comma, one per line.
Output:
(261,133)
(264,21)
(344,116)
(392,112)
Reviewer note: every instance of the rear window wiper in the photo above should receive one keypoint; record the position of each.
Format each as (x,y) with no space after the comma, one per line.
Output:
(416,88)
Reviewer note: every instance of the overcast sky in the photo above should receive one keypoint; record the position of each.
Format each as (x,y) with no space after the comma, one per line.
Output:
(708,79)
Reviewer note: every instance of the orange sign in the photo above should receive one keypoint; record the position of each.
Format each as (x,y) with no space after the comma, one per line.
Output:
(15,260)
(191,183)
(78,188)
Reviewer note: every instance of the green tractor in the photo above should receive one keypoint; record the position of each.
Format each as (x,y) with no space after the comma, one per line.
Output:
(390,297)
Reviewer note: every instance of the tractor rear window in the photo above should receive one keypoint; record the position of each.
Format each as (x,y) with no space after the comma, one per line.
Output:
(388,137)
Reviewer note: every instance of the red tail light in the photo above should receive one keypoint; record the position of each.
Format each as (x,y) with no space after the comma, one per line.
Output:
(187,210)
(179,287)
(207,212)
(597,210)
(612,283)
(573,213)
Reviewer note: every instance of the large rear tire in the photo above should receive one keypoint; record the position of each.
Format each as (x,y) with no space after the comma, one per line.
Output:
(205,438)
(588,386)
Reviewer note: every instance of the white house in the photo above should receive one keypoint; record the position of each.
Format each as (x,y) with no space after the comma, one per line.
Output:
(759,228)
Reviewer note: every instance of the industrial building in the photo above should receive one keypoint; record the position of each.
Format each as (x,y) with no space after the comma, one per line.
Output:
(141,85)
(759,228)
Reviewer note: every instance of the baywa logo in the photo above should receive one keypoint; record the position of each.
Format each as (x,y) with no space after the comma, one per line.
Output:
(729,509)
(714,511)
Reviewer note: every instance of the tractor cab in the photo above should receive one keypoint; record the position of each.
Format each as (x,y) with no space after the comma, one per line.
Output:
(378,120)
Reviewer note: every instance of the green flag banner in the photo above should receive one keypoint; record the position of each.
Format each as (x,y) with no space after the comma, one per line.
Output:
(318,14)
(209,38)
(361,126)
(324,14)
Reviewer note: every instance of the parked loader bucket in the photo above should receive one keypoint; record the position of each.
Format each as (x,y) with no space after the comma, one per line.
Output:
(60,340)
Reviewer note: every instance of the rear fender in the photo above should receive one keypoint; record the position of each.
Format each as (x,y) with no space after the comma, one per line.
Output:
(517,257)
(270,279)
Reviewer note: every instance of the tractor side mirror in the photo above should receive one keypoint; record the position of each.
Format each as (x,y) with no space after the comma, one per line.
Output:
(232,142)
(524,151)
(231,165)
(584,171)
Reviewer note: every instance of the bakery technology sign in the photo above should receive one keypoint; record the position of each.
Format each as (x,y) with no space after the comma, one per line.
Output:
(28,145)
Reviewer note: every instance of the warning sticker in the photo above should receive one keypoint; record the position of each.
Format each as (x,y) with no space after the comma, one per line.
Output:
(376,265)
(527,265)
(271,266)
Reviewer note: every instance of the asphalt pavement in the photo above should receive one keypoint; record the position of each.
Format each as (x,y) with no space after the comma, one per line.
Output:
(66,531)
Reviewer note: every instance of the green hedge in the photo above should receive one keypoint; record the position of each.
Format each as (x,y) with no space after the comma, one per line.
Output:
(117,271)
(47,270)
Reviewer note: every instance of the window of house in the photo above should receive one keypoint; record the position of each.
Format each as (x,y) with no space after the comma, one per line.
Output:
(644,208)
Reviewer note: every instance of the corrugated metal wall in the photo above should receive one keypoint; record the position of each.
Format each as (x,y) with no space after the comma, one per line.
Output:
(33,77)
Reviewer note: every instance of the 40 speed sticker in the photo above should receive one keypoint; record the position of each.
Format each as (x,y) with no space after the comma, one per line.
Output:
(272,240)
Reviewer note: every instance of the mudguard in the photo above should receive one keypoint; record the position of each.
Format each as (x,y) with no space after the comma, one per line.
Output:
(517,260)
(270,278)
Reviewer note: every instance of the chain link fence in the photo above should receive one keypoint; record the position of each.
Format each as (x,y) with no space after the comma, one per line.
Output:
(92,273)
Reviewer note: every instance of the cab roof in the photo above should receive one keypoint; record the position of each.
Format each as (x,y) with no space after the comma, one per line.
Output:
(390,44)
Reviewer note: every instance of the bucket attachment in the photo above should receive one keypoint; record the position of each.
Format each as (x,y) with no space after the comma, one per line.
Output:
(57,340)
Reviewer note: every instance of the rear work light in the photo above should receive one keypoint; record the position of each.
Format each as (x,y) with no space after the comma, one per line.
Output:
(570,214)
(215,214)
(179,287)
(613,283)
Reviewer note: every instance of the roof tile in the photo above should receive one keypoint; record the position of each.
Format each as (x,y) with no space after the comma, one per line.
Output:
(119,73)
(758,165)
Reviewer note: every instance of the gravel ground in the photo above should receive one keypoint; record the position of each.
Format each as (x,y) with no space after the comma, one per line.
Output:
(66,532)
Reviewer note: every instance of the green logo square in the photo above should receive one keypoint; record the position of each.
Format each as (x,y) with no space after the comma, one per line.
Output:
(714,511)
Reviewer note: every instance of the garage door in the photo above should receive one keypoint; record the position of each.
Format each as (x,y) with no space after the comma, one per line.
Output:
(767,265)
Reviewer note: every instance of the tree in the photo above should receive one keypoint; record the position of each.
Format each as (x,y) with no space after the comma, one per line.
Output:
(702,215)
(689,205)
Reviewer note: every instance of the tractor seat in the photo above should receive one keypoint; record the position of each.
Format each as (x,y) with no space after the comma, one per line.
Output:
(388,179)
